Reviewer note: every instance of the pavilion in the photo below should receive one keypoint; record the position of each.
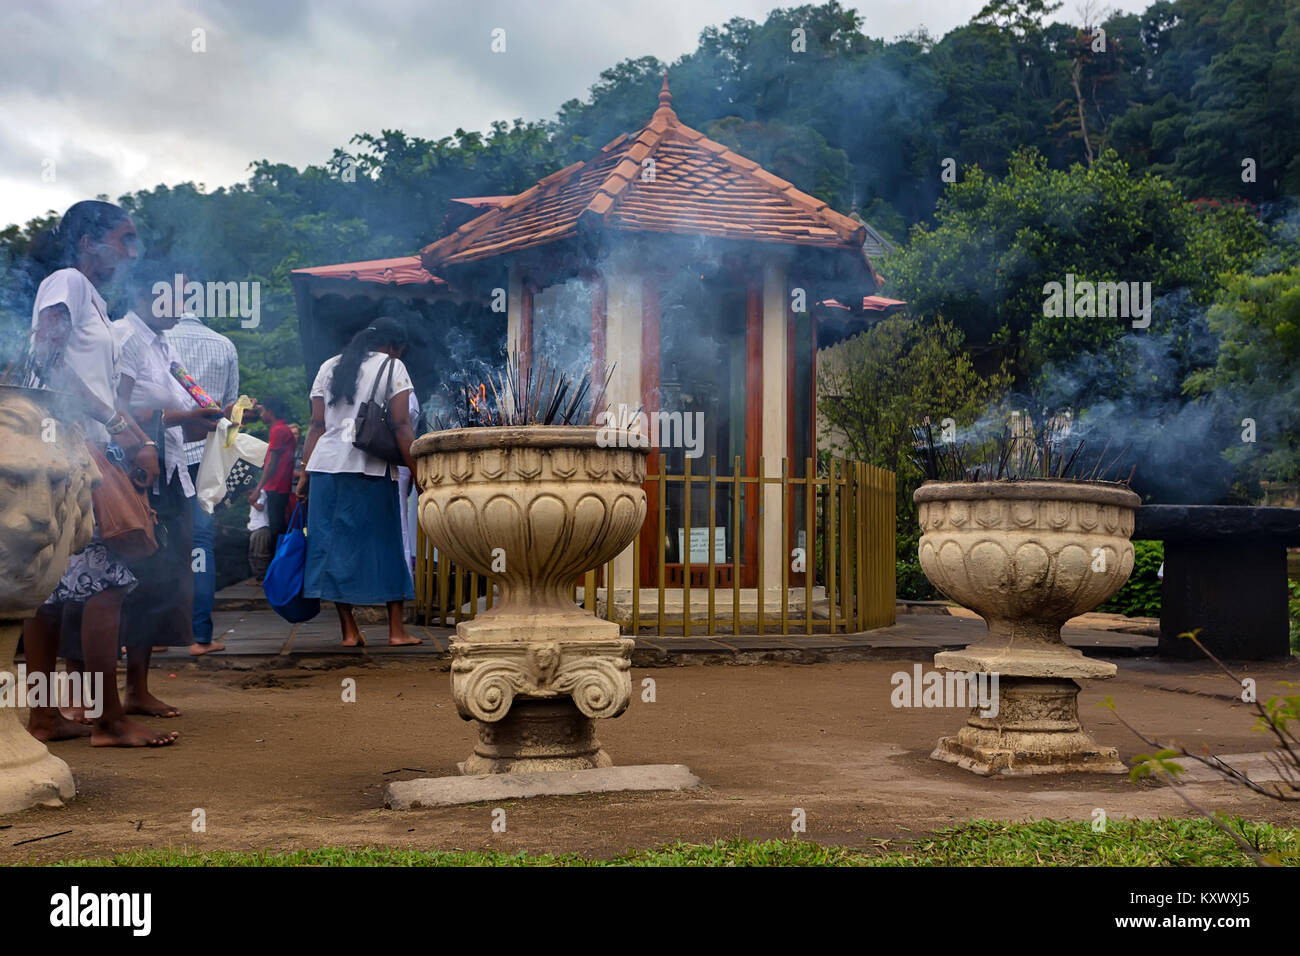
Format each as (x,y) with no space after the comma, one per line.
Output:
(693,274)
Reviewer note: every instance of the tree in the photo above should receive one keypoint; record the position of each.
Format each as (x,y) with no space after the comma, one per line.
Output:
(996,244)
(873,388)
(1257,319)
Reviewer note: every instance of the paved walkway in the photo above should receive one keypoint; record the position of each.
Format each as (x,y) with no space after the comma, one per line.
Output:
(254,634)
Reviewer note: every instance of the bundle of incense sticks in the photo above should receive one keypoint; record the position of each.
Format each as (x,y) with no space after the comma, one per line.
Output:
(201,398)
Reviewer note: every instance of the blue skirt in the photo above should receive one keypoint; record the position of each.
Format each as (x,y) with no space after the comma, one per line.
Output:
(354,540)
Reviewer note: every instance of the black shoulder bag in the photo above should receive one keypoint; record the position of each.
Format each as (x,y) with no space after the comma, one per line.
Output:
(374,432)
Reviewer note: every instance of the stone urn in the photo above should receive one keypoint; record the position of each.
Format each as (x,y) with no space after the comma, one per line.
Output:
(1026,556)
(45,515)
(531,508)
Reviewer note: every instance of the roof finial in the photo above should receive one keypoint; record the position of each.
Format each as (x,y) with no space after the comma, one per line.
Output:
(665,96)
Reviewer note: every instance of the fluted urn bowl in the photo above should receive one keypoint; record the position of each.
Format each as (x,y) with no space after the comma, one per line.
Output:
(531,508)
(45,515)
(1026,555)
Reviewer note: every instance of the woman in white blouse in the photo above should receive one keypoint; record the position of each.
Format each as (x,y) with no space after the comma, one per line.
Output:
(354,525)
(77,354)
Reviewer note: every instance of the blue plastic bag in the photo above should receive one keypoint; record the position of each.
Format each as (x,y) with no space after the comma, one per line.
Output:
(284,576)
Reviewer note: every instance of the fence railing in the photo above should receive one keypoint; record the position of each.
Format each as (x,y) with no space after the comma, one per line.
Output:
(836,571)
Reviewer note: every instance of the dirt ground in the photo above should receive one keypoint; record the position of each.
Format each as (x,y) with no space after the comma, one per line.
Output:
(276,759)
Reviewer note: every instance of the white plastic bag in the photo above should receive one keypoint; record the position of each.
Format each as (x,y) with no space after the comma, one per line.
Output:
(218,460)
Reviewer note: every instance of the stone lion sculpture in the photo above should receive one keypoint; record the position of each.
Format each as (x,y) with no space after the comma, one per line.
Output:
(46,515)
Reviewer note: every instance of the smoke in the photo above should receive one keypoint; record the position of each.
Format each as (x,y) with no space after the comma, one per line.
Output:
(1127,405)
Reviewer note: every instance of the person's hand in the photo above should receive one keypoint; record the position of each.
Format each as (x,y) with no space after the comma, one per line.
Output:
(253,496)
(206,418)
(146,459)
(301,490)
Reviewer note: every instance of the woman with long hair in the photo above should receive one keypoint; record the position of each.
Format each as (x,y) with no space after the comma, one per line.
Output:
(354,526)
(77,353)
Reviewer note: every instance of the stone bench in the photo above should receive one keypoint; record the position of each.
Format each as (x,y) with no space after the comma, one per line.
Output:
(1225,573)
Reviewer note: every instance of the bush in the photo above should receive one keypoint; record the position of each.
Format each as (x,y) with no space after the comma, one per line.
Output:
(1294,605)
(913,585)
(1140,595)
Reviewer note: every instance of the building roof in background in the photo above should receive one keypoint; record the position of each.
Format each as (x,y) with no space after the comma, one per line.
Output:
(483,202)
(404,270)
(665,178)
(870,303)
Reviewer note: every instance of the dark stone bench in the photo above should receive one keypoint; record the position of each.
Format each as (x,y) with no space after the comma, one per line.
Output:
(1225,573)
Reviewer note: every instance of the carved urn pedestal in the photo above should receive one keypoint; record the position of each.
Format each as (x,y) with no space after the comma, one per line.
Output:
(1027,556)
(531,508)
(45,515)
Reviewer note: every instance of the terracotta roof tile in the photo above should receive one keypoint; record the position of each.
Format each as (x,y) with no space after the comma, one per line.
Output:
(405,270)
(699,187)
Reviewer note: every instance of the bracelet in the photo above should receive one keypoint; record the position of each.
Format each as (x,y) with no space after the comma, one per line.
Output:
(116,425)
(147,444)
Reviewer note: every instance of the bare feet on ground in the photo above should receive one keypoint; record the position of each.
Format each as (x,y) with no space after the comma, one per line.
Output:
(402,639)
(149,706)
(56,728)
(76,714)
(128,733)
(198,650)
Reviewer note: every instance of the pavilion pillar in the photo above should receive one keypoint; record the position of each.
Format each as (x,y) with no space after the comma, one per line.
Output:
(775,412)
(623,303)
(514,312)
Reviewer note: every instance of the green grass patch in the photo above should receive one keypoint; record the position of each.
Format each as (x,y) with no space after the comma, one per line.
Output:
(1163,842)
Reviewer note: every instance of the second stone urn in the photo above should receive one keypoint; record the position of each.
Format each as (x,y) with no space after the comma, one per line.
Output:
(531,508)
(1026,556)
(45,516)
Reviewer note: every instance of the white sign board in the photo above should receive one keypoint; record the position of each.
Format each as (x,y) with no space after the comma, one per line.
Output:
(700,545)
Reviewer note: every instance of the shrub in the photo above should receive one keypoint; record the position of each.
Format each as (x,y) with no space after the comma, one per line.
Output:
(1140,595)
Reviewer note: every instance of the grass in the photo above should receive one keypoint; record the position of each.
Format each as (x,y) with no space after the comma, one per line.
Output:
(1163,842)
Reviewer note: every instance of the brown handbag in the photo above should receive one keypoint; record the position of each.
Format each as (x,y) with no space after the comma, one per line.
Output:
(122,513)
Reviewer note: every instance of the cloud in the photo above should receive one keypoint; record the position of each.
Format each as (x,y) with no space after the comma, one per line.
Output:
(116,94)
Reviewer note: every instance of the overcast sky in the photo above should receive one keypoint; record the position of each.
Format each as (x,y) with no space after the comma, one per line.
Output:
(109,97)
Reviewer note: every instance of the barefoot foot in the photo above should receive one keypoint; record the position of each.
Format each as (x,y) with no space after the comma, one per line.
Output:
(56,728)
(198,650)
(402,639)
(148,705)
(128,733)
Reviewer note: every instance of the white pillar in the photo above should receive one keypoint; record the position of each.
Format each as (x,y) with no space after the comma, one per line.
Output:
(514,311)
(775,366)
(623,346)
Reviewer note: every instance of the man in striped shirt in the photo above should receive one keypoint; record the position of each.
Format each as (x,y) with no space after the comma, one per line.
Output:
(213,361)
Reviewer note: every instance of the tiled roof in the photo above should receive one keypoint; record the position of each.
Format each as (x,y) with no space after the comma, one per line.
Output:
(693,186)
(405,270)
(870,303)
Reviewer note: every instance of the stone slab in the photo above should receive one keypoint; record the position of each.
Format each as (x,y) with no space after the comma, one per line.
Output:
(450,791)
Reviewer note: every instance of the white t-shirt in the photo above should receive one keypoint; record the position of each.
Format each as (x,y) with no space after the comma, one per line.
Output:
(257,517)
(147,359)
(334,452)
(93,350)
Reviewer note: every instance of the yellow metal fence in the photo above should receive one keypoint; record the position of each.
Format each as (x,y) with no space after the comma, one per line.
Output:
(847,582)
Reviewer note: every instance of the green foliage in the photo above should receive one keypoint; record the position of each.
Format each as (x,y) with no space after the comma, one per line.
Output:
(996,243)
(875,386)
(1293,606)
(1257,319)
(1140,595)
